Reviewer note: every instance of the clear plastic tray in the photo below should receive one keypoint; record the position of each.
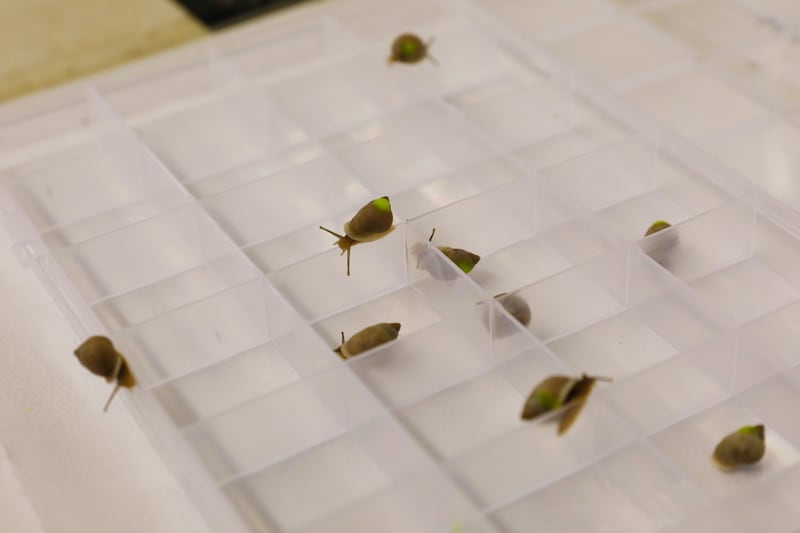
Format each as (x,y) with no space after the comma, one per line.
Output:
(174,205)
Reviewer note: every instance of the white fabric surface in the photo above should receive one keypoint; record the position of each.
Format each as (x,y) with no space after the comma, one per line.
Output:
(79,469)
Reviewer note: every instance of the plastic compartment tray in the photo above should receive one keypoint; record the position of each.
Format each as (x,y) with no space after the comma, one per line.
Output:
(174,205)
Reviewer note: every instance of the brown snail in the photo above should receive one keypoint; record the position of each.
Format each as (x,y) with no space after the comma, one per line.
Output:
(658,247)
(516,307)
(560,391)
(409,48)
(463,259)
(368,338)
(370,223)
(99,356)
(745,446)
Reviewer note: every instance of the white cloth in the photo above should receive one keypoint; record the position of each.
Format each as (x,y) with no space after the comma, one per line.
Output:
(69,467)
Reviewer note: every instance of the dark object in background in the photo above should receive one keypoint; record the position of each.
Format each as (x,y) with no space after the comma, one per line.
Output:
(218,13)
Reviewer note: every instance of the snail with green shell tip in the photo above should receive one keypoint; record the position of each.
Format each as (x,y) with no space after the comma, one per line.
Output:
(370,223)
(555,392)
(516,306)
(409,48)
(463,259)
(368,338)
(745,446)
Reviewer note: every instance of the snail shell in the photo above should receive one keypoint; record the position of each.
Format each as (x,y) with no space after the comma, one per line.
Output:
(98,355)
(659,247)
(409,48)
(657,226)
(559,391)
(742,447)
(368,338)
(370,223)
(463,259)
(516,307)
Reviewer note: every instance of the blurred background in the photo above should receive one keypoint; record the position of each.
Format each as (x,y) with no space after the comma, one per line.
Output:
(47,42)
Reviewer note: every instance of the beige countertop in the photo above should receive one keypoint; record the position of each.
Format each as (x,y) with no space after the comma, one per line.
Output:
(47,42)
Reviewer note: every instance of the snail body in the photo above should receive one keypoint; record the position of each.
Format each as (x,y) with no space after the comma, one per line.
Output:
(745,446)
(560,391)
(463,259)
(368,338)
(409,48)
(370,223)
(98,355)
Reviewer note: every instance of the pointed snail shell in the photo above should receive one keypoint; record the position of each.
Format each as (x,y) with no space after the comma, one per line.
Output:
(742,447)
(657,226)
(559,391)
(463,259)
(369,338)
(371,222)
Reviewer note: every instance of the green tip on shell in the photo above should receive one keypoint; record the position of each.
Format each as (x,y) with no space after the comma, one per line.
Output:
(656,226)
(547,401)
(409,47)
(466,266)
(382,204)
(751,430)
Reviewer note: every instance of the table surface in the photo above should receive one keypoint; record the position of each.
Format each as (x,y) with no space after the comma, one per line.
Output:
(47,42)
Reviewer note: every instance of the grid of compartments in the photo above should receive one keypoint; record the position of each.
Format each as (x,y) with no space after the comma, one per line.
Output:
(737,60)
(175,206)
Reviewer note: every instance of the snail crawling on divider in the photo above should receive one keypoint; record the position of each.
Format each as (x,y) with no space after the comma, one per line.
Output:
(516,307)
(745,446)
(99,356)
(368,338)
(409,48)
(463,259)
(560,391)
(370,223)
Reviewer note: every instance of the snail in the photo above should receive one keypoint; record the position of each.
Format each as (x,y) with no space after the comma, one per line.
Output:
(745,446)
(368,338)
(372,222)
(657,226)
(99,356)
(659,247)
(409,48)
(560,391)
(463,259)
(516,307)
